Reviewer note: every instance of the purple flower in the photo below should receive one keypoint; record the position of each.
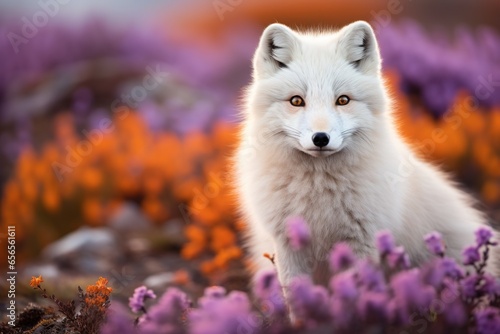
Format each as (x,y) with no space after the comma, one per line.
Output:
(489,285)
(343,301)
(211,295)
(451,268)
(434,243)
(471,255)
(454,310)
(265,281)
(343,285)
(372,306)
(410,293)
(455,313)
(136,302)
(398,258)
(370,277)
(309,302)
(166,315)
(433,274)
(229,314)
(487,320)
(298,233)
(214,292)
(483,236)
(469,286)
(439,269)
(268,290)
(341,257)
(117,321)
(343,313)
(385,242)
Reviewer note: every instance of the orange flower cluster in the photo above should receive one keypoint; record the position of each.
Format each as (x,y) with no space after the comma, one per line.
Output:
(210,209)
(36,281)
(465,141)
(98,294)
(83,177)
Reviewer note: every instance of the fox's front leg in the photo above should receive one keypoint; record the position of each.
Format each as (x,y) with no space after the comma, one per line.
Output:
(291,263)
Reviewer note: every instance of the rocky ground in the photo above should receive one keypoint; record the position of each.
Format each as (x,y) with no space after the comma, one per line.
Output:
(129,252)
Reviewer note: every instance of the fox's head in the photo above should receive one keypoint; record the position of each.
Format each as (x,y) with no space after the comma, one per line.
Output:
(319,93)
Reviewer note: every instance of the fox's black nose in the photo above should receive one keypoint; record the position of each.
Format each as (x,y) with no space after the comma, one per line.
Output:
(321,139)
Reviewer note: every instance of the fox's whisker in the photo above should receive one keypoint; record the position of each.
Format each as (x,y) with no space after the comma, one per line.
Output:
(292,130)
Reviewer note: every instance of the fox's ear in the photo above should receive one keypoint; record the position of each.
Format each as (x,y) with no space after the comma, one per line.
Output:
(276,47)
(359,46)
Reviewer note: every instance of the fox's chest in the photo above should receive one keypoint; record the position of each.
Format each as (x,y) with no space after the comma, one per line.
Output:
(333,205)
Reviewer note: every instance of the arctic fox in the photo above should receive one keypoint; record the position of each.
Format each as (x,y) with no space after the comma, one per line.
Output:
(318,141)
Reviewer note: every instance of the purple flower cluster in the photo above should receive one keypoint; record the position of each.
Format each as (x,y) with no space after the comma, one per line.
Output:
(136,302)
(298,233)
(201,93)
(432,67)
(436,68)
(395,256)
(434,243)
(341,257)
(223,313)
(167,315)
(363,295)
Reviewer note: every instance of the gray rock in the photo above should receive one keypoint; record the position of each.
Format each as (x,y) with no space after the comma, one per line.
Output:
(48,271)
(129,218)
(159,281)
(174,231)
(87,250)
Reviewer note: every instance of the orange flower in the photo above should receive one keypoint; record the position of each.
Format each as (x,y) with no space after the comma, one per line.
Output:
(126,183)
(208,267)
(493,167)
(30,189)
(64,129)
(102,283)
(192,250)
(223,257)
(269,256)
(222,237)
(482,152)
(225,135)
(475,124)
(170,147)
(92,211)
(197,145)
(195,233)
(494,133)
(491,192)
(181,277)
(207,216)
(50,198)
(153,182)
(185,189)
(92,178)
(25,164)
(98,293)
(154,209)
(36,281)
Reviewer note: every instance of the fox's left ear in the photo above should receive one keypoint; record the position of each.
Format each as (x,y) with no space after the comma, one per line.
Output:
(359,46)
(276,48)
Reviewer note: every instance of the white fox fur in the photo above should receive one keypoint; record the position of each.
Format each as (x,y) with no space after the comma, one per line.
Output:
(368,180)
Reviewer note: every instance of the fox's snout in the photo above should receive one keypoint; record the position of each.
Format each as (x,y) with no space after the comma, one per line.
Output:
(320,139)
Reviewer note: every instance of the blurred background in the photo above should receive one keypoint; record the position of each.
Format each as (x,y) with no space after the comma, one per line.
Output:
(118,118)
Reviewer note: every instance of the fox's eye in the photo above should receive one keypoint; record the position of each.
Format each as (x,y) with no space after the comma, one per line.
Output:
(297,101)
(343,100)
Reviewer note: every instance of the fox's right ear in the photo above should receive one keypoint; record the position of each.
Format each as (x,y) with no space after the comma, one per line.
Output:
(359,46)
(276,47)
